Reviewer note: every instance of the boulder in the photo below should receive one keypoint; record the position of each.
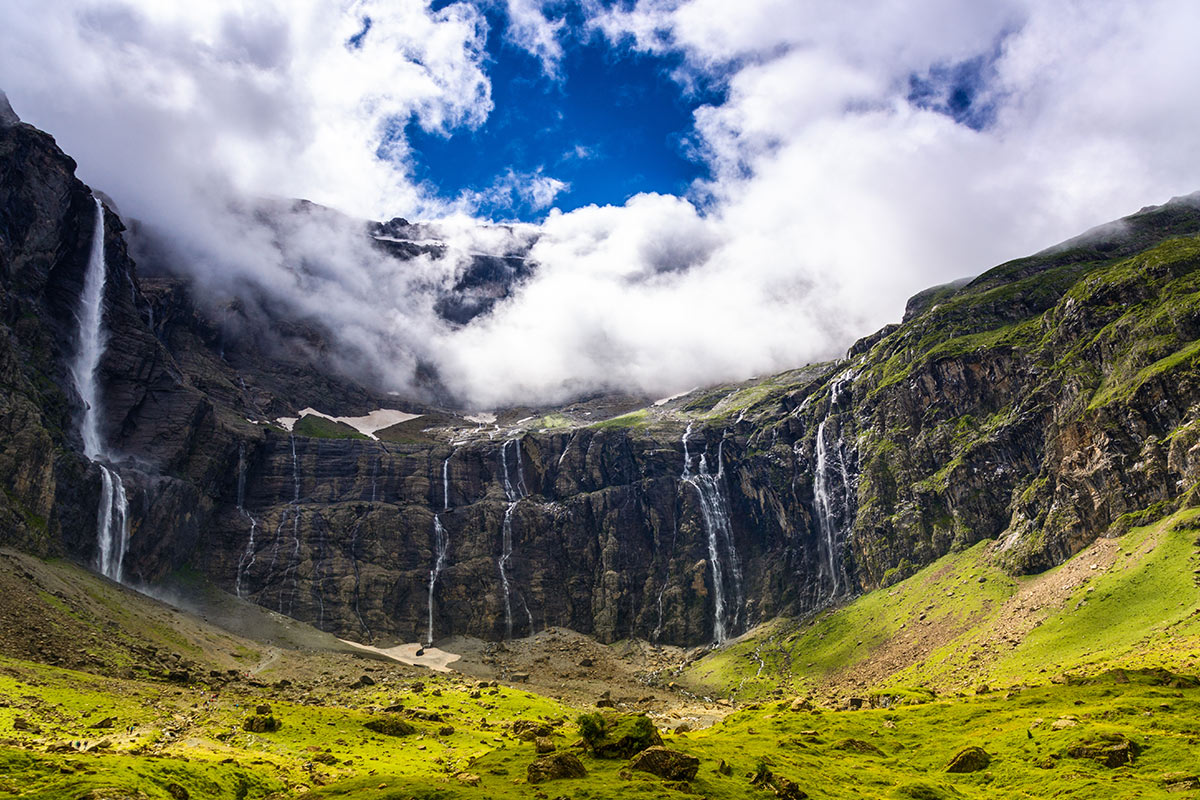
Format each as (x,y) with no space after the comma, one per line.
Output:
(544,744)
(556,767)
(390,726)
(667,764)
(969,759)
(626,735)
(527,729)
(1108,751)
(858,746)
(259,723)
(788,789)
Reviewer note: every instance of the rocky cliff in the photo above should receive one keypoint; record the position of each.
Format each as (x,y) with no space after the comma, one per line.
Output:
(1047,402)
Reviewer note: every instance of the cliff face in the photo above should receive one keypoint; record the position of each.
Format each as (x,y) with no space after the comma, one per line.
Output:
(1049,401)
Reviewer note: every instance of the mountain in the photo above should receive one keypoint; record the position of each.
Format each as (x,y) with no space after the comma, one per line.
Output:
(959,562)
(1048,402)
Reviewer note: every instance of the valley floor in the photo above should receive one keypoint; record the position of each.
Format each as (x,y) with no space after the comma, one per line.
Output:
(1074,683)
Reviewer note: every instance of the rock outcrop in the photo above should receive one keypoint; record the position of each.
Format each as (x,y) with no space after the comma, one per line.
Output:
(1049,401)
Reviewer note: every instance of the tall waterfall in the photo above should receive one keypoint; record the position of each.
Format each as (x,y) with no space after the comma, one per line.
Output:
(441,543)
(112,516)
(835,492)
(514,493)
(714,511)
(248,555)
(294,567)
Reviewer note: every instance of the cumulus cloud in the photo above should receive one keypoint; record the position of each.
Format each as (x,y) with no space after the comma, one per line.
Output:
(534,190)
(861,151)
(533,31)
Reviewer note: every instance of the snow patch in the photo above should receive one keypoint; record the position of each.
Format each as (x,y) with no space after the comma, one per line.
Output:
(367,425)
(433,658)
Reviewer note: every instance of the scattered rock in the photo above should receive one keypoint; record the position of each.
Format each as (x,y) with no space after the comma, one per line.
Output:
(858,746)
(801,704)
(446,730)
(527,729)
(556,767)
(103,724)
(969,759)
(261,724)
(390,726)
(262,709)
(1110,751)
(467,778)
(788,789)
(1181,781)
(668,764)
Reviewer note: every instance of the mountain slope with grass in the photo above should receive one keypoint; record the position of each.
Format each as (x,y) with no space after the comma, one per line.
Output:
(167,704)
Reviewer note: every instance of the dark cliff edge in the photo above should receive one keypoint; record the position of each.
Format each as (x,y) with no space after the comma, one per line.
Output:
(1047,402)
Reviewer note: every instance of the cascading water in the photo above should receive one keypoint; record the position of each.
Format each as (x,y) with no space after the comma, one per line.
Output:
(248,556)
(514,495)
(714,512)
(295,562)
(834,496)
(112,517)
(441,543)
(292,512)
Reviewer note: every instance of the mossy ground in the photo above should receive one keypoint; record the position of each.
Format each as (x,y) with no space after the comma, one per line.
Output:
(919,650)
(871,753)
(1132,602)
(314,427)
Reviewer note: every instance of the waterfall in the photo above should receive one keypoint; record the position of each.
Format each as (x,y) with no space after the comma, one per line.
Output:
(441,544)
(293,509)
(513,493)
(714,513)
(295,565)
(92,341)
(112,516)
(834,494)
(112,524)
(248,555)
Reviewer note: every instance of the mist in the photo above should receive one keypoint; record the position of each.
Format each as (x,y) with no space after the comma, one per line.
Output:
(855,159)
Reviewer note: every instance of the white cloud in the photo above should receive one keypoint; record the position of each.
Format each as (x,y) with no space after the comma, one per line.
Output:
(511,190)
(833,196)
(530,29)
(167,99)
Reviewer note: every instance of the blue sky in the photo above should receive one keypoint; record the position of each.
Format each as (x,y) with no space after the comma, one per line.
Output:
(613,123)
(852,154)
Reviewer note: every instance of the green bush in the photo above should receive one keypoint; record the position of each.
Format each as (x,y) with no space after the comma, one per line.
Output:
(591,728)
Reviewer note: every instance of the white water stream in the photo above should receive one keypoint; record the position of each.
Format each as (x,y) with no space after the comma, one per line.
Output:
(112,516)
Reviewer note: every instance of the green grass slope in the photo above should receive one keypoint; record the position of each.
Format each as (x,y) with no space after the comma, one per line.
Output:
(1131,602)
